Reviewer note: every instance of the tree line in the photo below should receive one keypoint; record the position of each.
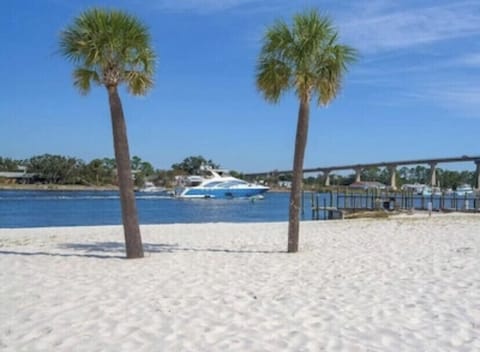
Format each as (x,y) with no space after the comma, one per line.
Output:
(66,170)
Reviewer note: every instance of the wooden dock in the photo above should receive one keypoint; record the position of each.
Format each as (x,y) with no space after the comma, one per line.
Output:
(336,203)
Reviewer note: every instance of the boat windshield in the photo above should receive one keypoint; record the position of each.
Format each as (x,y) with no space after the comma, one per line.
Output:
(223,173)
(235,183)
(213,183)
(190,181)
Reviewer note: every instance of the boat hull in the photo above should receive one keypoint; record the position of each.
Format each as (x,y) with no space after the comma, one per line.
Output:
(464,190)
(220,193)
(463,193)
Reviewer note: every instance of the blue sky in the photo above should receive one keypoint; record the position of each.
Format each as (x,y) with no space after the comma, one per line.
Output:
(414,92)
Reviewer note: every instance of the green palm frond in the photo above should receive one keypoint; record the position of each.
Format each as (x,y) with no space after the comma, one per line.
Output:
(112,44)
(82,79)
(273,78)
(138,82)
(304,56)
(278,42)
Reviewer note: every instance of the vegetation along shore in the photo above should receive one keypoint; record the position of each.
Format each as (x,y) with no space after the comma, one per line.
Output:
(60,172)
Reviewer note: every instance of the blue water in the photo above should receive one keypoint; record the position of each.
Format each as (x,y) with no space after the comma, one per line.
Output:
(84,208)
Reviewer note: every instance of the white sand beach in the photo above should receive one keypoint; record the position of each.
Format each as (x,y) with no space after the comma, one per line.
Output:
(408,283)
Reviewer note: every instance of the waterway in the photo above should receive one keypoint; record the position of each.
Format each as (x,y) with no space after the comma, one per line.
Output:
(90,208)
(85,208)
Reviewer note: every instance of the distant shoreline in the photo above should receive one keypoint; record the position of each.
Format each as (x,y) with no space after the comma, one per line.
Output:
(52,187)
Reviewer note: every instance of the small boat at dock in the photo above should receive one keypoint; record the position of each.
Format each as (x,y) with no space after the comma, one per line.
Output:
(150,187)
(463,190)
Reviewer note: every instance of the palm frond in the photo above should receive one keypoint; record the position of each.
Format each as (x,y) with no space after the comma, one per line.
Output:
(273,78)
(278,42)
(138,83)
(274,75)
(111,43)
(82,79)
(335,60)
(305,56)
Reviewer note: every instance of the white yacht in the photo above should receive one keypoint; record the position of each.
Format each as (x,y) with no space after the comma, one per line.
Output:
(216,183)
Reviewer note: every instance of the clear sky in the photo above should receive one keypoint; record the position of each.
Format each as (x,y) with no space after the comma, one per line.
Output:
(414,92)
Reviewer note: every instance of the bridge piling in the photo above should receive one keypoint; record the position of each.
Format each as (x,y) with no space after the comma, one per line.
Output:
(433,174)
(477,174)
(393,176)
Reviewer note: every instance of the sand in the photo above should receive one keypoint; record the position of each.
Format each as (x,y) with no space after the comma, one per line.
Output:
(397,284)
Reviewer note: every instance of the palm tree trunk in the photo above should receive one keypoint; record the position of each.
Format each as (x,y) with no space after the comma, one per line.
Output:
(297,177)
(133,239)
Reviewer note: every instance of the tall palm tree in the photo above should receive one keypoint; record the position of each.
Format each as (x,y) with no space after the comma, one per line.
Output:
(306,58)
(110,48)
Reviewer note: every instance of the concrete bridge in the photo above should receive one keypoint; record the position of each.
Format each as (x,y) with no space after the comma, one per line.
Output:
(391,166)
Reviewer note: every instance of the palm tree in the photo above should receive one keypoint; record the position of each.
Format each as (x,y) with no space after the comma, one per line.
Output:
(110,48)
(306,58)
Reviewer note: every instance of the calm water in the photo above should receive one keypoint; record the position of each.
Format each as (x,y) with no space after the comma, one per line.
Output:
(83,208)
(69,208)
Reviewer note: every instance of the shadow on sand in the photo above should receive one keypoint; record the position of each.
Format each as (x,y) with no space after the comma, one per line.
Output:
(112,250)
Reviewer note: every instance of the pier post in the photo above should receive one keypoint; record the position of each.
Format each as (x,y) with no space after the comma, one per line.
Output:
(393,176)
(433,174)
(358,172)
(477,175)
(326,173)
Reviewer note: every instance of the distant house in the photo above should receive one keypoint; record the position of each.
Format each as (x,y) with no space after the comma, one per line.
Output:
(367,185)
(21,176)
(285,184)
(416,188)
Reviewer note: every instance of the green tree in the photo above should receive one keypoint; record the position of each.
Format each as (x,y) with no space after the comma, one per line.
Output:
(7,164)
(165,178)
(98,172)
(419,174)
(136,161)
(147,169)
(56,169)
(384,176)
(467,177)
(306,58)
(346,180)
(370,174)
(110,48)
(403,176)
(142,169)
(110,164)
(192,164)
